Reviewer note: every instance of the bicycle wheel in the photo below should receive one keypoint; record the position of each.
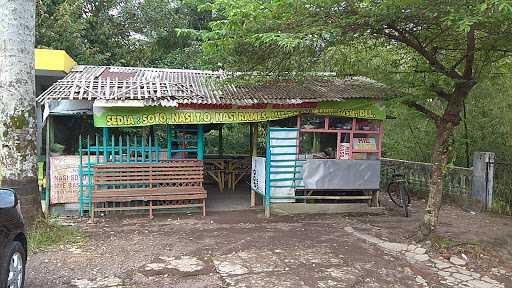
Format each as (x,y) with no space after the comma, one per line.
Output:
(405,200)
(394,192)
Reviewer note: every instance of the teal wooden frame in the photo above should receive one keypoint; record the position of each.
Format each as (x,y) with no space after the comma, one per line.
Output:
(274,163)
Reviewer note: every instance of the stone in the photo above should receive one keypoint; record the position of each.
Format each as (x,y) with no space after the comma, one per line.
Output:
(154,266)
(420,250)
(99,283)
(489,280)
(440,264)
(81,283)
(479,284)
(227,268)
(421,257)
(109,282)
(457,261)
(395,247)
(420,280)
(185,264)
(349,229)
(462,277)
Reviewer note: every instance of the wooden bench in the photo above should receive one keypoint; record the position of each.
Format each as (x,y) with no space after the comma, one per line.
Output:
(176,184)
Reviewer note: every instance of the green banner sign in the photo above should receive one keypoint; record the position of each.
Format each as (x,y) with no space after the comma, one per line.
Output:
(151,115)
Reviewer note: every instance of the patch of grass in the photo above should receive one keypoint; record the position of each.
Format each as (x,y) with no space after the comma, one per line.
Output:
(47,233)
(447,247)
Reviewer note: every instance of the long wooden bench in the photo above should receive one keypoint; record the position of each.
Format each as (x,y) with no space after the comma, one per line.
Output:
(171,184)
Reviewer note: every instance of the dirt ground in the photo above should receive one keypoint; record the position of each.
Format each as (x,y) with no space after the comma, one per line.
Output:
(245,249)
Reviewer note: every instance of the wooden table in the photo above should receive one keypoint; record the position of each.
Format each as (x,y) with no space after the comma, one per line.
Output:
(228,170)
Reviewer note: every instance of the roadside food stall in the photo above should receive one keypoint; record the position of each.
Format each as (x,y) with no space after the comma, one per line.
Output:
(323,138)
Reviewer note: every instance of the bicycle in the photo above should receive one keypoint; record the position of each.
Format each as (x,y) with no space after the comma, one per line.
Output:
(397,191)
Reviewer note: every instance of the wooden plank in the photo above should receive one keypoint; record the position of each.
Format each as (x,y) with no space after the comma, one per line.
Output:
(159,190)
(126,194)
(144,181)
(139,181)
(127,198)
(149,165)
(147,169)
(301,208)
(356,197)
(149,192)
(177,175)
(171,174)
(147,207)
(146,176)
(162,171)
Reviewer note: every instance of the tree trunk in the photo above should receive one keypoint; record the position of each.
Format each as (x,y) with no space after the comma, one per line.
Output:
(18,153)
(439,162)
(445,128)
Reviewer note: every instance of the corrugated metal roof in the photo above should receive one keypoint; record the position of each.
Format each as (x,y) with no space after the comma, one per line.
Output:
(170,87)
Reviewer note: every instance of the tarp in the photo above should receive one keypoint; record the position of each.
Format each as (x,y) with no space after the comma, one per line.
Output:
(67,107)
(105,116)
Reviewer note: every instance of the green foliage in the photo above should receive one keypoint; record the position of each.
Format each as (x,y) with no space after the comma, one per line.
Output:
(47,233)
(410,137)
(349,38)
(419,48)
(122,32)
(236,140)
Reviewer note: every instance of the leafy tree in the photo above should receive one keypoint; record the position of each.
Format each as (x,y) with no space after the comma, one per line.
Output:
(122,32)
(93,32)
(434,52)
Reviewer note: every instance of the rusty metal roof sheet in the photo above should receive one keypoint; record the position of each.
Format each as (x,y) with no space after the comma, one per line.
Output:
(170,87)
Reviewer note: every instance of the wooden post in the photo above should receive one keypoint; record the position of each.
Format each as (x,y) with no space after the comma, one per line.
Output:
(47,172)
(221,142)
(254,153)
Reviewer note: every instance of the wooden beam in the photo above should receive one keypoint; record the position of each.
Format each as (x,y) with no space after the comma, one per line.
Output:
(254,153)
(49,120)
(221,142)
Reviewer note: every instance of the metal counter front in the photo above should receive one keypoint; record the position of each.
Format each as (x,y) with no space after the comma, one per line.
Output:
(341,174)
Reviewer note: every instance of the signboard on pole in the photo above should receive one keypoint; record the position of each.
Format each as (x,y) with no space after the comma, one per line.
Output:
(65,179)
(258,175)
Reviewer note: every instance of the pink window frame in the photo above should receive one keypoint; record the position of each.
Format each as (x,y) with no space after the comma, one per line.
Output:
(379,132)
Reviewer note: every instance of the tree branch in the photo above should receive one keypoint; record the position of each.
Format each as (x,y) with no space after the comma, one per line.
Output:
(402,37)
(422,109)
(441,93)
(456,64)
(470,54)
